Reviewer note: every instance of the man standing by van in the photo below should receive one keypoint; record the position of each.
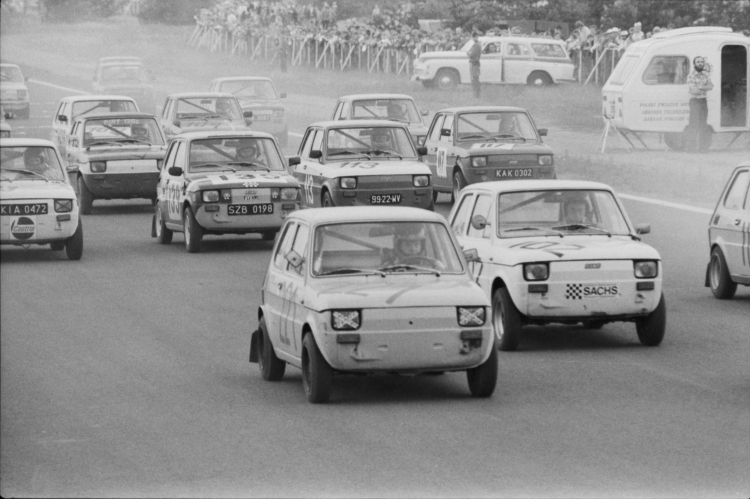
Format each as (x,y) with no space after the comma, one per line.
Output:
(699,82)
(475,53)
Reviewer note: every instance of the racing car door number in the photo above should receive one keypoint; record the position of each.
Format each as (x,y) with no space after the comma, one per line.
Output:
(442,160)
(173,197)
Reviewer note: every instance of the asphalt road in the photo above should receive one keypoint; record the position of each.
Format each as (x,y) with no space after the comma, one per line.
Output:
(126,374)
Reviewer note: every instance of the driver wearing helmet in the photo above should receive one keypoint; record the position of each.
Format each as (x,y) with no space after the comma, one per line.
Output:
(223,107)
(410,248)
(395,112)
(577,210)
(35,160)
(249,152)
(139,132)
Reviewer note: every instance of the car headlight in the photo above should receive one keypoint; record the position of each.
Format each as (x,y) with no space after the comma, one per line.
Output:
(645,269)
(536,271)
(470,316)
(348,182)
(421,180)
(63,205)
(545,160)
(210,196)
(278,113)
(289,193)
(98,166)
(345,320)
(479,161)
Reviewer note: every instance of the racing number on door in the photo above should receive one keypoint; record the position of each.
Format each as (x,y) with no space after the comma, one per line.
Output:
(173,200)
(442,160)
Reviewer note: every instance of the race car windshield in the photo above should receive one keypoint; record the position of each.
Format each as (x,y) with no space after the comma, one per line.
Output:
(30,163)
(119,73)
(369,143)
(402,110)
(251,89)
(102,132)
(244,153)
(556,213)
(384,248)
(495,126)
(99,107)
(206,108)
(11,74)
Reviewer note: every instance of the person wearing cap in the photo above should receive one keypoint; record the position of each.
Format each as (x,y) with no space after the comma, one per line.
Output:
(475,53)
(699,83)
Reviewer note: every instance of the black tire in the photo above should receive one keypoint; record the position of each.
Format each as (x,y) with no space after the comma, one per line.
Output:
(539,79)
(506,320)
(163,234)
(459,182)
(651,328)
(74,244)
(483,379)
(675,140)
(193,231)
(269,236)
(327,200)
(85,197)
(447,79)
(271,367)
(57,245)
(719,279)
(317,375)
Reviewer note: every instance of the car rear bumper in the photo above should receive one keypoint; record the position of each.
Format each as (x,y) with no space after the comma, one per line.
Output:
(122,185)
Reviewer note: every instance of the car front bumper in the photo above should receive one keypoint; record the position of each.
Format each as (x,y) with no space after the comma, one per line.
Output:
(214,217)
(38,229)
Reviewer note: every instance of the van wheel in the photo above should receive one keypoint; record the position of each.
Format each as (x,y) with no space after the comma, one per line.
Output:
(721,283)
(85,197)
(271,367)
(459,182)
(317,375)
(446,79)
(651,328)
(163,235)
(539,79)
(675,140)
(193,231)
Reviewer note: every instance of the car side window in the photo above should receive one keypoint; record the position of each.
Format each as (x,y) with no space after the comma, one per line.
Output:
(738,191)
(448,123)
(179,158)
(317,143)
(482,207)
(285,242)
(165,111)
(300,247)
(518,49)
(59,111)
(170,155)
(345,110)
(437,124)
(307,144)
(461,220)
(667,70)
(336,112)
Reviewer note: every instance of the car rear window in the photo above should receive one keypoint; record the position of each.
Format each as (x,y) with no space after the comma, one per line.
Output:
(624,69)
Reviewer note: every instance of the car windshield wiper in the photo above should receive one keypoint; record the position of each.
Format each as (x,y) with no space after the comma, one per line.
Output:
(21,170)
(582,227)
(249,163)
(350,271)
(218,165)
(379,151)
(556,232)
(341,153)
(403,267)
(508,136)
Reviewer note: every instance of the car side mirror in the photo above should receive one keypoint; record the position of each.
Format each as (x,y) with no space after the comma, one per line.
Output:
(62,118)
(542,132)
(471,255)
(422,151)
(282,95)
(294,258)
(247,114)
(445,132)
(424,113)
(177,123)
(175,171)
(294,160)
(478,222)
(316,154)
(643,228)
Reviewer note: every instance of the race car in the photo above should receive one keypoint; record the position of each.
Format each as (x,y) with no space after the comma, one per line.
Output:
(258,94)
(216,183)
(14,95)
(115,156)
(126,76)
(347,163)
(473,144)
(37,203)
(371,290)
(395,107)
(199,111)
(554,251)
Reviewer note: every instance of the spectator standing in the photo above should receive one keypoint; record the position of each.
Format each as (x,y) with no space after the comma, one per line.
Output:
(475,53)
(583,32)
(699,82)
(326,16)
(637,33)
(283,42)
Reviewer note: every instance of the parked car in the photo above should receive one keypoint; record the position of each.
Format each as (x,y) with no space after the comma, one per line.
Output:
(126,76)
(259,95)
(554,251)
(505,59)
(466,145)
(347,163)
(371,290)
(115,156)
(729,236)
(37,203)
(73,106)
(216,183)
(14,95)
(202,111)
(395,107)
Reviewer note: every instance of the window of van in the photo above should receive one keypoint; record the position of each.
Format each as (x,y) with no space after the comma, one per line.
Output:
(623,69)
(548,50)
(667,70)
(518,49)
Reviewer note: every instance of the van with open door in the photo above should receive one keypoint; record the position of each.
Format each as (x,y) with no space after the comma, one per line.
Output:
(648,90)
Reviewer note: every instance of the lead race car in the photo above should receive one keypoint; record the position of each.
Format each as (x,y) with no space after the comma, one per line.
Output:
(216,183)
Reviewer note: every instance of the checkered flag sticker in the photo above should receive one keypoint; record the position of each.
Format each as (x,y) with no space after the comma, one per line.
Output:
(573,291)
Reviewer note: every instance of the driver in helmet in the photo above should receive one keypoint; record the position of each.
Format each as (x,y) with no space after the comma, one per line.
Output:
(395,112)
(576,210)
(223,107)
(139,132)
(248,152)
(410,248)
(35,160)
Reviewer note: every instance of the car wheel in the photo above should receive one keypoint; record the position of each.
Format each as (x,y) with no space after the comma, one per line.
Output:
(675,140)
(721,282)
(193,232)
(85,197)
(163,234)
(74,244)
(483,379)
(269,236)
(57,245)
(652,327)
(327,200)
(446,79)
(506,320)
(459,182)
(317,375)
(271,367)
(539,79)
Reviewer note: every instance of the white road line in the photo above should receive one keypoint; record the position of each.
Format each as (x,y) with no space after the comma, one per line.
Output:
(38,82)
(658,202)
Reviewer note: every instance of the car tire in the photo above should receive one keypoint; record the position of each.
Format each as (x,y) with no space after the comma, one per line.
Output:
(193,231)
(317,375)
(719,279)
(506,320)
(459,182)
(483,379)
(447,79)
(85,197)
(539,79)
(57,245)
(74,244)
(327,200)
(271,367)
(651,328)
(163,234)
(269,235)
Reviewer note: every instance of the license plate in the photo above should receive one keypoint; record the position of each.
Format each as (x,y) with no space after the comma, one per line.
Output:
(250,209)
(515,173)
(385,199)
(24,209)
(261,117)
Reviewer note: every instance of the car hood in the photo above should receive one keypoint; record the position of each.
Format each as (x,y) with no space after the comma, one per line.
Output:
(126,152)
(239,180)
(448,54)
(250,104)
(491,148)
(375,168)
(393,291)
(517,250)
(36,189)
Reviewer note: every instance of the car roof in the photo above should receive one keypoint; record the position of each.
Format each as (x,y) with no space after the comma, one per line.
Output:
(498,186)
(243,78)
(6,65)
(23,142)
(359,124)
(114,116)
(93,97)
(365,214)
(491,109)
(191,95)
(218,134)
(375,96)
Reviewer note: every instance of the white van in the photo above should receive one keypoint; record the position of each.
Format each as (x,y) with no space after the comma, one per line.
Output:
(648,90)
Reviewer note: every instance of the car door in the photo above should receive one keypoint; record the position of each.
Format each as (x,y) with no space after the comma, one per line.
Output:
(518,62)
(293,313)
(431,143)
(60,128)
(276,285)
(307,172)
(478,238)
(446,154)
(491,69)
(734,224)
(176,184)
(74,147)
